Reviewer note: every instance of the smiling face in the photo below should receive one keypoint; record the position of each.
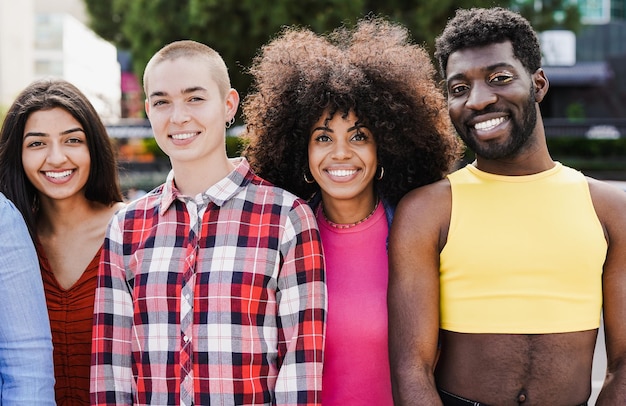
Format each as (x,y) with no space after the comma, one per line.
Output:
(342,158)
(187,112)
(492,100)
(55,155)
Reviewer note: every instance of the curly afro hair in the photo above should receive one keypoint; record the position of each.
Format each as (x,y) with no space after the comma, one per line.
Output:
(483,26)
(372,70)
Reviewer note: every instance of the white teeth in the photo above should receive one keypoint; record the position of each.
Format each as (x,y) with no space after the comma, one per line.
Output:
(342,172)
(58,175)
(183,136)
(489,124)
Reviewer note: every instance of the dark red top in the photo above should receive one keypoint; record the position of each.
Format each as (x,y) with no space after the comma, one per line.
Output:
(71,319)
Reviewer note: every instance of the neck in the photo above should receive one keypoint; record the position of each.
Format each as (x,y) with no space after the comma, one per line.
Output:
(192,179)
(348,212)
(57,215)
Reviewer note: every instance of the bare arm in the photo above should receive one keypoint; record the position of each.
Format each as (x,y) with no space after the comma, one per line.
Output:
(417,234)
(610,204)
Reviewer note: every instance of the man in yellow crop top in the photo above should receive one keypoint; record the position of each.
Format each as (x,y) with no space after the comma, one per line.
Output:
(499,274)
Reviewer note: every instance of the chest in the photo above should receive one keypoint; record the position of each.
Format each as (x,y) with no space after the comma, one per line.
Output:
(69,255)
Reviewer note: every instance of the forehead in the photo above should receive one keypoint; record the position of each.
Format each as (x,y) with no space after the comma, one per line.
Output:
(482,59)
(50,119)
(173,76)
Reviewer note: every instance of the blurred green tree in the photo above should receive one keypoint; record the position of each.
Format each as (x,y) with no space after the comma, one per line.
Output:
(237,29)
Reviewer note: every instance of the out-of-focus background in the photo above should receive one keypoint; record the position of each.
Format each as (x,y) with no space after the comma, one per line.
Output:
(102,46)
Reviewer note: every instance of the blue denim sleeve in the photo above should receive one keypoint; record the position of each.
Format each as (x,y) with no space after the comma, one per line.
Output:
(26,369)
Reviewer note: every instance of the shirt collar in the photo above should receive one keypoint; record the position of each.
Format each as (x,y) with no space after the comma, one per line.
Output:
(219,193)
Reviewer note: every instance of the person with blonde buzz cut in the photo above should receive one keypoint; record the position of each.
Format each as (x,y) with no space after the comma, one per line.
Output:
(211,287)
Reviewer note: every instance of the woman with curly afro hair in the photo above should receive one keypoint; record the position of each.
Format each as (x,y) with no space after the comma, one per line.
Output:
(350,121)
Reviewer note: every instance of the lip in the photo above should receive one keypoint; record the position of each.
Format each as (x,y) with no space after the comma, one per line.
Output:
(183,137)
(488,125)
(342,174)
(59,176)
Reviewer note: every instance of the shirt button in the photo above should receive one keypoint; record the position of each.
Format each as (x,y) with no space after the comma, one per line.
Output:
(185,339)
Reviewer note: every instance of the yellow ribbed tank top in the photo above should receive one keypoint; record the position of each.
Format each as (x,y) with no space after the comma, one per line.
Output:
(524,254)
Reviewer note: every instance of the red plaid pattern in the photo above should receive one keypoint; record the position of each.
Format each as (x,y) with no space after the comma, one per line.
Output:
(258,296)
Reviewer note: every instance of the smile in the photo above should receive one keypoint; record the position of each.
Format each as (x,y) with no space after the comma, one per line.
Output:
(341,172)
(489,124)
(58,175)
(183,136)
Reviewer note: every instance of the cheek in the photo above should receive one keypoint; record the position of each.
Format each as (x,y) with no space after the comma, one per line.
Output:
(314,156)
(453,107)
(29,160)
(31,169)
(85,158)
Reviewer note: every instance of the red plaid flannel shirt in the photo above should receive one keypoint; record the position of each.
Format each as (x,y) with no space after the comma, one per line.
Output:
(250,255)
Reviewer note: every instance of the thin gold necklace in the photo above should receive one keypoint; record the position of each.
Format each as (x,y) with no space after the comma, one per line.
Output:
(320,209)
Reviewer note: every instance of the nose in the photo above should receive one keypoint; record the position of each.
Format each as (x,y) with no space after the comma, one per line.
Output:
(180,114)
(480,96)
(56,155)
(341,150)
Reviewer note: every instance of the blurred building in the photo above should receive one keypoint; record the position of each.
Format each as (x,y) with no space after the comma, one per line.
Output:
(50,38)
(588,76)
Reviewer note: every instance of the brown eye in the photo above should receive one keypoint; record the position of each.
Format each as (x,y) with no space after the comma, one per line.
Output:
(501,78)
(359,136)
(322,138)
(457,89)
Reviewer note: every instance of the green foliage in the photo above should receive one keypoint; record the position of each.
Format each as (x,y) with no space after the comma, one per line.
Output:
(153,148)
(237,29)
(575,112)
(425,19)
(549,14)
(234,146)
(577,147)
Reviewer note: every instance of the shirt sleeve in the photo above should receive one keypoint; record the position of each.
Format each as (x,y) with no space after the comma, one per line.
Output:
(111,371)
(26,371)
(301,311)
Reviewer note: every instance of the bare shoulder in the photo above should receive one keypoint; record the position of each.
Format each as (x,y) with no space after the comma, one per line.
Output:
(102,214)
(424,213)
(610,204)
(431,197)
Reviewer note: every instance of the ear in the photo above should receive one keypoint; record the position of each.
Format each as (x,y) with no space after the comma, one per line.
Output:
(232,103)
(146,106)
(541,84)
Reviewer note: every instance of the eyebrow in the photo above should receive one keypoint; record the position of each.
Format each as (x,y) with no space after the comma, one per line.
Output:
(188,90)
(489,68)
(353,128)
(42,134)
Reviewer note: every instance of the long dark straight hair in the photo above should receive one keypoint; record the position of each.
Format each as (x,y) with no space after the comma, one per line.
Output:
(103,183)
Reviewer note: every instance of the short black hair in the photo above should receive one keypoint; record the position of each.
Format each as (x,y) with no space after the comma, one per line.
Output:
(483,26)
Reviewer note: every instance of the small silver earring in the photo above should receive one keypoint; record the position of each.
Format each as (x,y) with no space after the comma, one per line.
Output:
(306,179)
(382,173)
(231,122)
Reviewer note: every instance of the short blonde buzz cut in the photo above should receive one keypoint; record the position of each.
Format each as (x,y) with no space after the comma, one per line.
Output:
(191,49)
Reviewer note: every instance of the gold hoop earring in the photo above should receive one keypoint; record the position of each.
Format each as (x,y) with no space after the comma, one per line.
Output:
(382,173)
(230,123)
(306,179)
